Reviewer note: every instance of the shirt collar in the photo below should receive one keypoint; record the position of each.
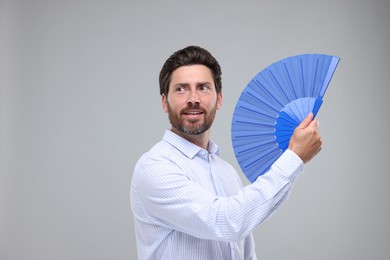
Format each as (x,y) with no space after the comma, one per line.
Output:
(188,148)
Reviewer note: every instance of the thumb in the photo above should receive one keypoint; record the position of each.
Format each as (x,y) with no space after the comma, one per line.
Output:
(305,123)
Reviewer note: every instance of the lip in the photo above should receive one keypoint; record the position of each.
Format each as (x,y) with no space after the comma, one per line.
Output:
(193,113)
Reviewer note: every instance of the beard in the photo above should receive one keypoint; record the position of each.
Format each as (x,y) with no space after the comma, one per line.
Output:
(191,127)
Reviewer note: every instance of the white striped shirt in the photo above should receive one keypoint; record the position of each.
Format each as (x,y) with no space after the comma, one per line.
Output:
(188,203)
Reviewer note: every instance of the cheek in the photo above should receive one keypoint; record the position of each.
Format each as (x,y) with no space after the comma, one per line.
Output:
(178,101)
(172,105)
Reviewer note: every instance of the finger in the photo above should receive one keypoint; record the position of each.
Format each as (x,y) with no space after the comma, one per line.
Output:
(314,124)
(320,144)
(306,121)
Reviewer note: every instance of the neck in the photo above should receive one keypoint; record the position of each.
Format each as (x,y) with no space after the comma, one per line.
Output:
(201,140)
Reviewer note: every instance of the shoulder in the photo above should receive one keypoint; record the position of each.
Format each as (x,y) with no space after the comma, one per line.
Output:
(162,152)
(160,159)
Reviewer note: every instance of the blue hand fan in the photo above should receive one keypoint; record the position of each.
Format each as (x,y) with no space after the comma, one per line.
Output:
(273,104)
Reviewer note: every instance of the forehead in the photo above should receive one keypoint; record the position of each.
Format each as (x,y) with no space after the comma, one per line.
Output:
(191,73)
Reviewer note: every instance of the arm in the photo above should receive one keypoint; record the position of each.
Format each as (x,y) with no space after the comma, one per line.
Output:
(172,200)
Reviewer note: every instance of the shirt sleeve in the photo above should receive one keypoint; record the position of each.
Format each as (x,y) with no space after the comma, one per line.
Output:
(169,198)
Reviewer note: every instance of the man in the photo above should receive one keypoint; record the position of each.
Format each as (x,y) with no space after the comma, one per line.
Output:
(187,202)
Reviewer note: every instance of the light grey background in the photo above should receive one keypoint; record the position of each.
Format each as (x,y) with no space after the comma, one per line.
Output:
(79,104)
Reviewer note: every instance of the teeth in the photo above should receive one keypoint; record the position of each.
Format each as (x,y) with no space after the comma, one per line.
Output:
(193,113)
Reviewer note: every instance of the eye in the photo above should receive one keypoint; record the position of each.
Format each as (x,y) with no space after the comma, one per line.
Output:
(180,89)
(205,87)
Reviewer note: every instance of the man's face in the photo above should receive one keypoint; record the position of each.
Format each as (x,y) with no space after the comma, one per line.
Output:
(192,100)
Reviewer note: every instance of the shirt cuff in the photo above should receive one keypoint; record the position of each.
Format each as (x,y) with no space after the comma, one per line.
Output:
(289,164)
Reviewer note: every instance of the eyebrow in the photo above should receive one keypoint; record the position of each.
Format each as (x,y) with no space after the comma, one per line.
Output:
(198,83)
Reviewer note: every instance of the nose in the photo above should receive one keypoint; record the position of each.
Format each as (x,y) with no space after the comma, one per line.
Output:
(193,97)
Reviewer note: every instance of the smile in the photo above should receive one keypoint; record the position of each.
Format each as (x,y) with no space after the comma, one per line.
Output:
(193,113)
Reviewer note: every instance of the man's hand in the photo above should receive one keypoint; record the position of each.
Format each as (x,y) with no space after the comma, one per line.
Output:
(306,141)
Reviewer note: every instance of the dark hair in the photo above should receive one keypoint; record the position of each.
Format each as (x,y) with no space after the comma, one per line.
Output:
(191,55)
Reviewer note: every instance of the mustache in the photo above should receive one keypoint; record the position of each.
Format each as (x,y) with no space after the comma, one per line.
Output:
(195,105)
(192,106)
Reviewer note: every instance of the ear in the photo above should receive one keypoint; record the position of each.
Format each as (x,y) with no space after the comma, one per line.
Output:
(219,100)
(164,103)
